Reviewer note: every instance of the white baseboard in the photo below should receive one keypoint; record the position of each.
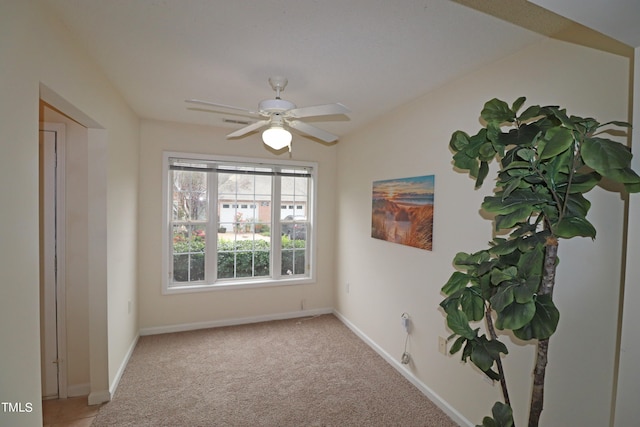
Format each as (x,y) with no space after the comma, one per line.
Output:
(123,365)
(231,322)
(435,398)
(98,397)
(77,390)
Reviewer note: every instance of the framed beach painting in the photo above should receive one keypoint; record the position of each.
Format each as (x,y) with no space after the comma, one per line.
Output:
(402,211)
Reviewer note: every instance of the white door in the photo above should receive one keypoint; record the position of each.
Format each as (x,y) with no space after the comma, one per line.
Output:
(52,336)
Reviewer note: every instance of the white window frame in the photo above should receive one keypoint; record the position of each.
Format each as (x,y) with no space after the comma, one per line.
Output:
(275,279)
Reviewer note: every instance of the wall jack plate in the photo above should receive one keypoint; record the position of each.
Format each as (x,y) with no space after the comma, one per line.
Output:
(442,345)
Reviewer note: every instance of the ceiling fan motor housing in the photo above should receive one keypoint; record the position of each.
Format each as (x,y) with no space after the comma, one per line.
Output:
(275,106)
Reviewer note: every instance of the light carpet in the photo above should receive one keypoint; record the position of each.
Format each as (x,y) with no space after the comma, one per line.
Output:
(286,373)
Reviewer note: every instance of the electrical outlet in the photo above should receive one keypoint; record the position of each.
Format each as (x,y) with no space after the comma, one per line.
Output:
(442,345)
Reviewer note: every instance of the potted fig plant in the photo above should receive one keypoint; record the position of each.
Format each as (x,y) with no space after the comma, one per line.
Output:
(547,160)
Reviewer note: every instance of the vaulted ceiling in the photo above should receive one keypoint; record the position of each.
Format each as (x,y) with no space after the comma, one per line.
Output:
(370,55)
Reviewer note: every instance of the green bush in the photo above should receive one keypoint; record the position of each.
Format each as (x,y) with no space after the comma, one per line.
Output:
(246,257)
(240,258)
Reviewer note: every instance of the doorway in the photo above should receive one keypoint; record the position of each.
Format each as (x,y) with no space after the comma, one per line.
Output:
(94,353)
(52,261)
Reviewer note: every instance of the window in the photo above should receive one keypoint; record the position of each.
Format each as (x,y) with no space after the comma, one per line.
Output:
(230,222)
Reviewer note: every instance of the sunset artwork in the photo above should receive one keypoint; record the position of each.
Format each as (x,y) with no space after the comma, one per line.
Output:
(402,211)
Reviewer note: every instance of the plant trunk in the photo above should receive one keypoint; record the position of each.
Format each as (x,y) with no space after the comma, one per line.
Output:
(546,288)
(494,336)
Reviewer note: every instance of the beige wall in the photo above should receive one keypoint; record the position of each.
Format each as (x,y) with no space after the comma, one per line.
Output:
(37,51)
(157,310)
(386,280)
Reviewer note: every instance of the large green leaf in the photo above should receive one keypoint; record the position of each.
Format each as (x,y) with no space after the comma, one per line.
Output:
(463,259)
(632,188)
(501,275)
(558,168)
(616,123)
(527,154)
(582,183)
(527,242)
(459,140)
(544,323)
(463,161)
(555,141)
(502,416)
(457,281)
(457,345)
(503,297)
(486,152)
(503,246)
(507,221)
(483,171)
(518,103)
(516,315)
(497,111)
(517,168)
(526,289)
(624,175)
(530,264)
(459,324)
(476,142)
(511,185)
(525,135)
(472,304)
(516,200)
(603,154)
(561,114)
(481,358)
(529,113)
(520,291)
(574,226)
(485,352)
(578,205)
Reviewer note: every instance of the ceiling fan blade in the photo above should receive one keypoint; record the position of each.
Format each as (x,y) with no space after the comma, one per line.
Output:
(247,129)
(213,104)
(318,110)
(312,131)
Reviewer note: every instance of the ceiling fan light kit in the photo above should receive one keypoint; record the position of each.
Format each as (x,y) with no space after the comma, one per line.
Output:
(277,137)
(278,115)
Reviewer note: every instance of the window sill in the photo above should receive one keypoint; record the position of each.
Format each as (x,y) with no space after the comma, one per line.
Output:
(226,286)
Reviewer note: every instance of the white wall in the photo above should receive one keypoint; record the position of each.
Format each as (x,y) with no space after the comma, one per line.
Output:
(38,50)
(386,279)
(157,310)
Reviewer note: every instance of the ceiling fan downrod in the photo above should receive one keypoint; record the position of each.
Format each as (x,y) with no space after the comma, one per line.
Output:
(278,83)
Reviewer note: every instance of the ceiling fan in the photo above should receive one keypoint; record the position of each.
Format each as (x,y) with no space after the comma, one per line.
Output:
(277,115)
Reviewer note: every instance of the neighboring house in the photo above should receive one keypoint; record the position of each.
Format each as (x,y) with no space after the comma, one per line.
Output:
(234,207)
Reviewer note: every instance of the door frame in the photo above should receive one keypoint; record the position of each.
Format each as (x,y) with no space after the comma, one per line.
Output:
(57,296)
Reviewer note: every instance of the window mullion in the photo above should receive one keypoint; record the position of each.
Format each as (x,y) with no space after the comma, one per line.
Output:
(211,258)
(276,226)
